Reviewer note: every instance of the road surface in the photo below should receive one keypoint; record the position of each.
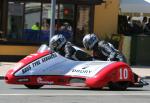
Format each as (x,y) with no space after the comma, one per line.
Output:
(63,94)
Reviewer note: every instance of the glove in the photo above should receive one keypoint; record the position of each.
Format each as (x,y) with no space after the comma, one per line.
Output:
(109,59)
(111,56)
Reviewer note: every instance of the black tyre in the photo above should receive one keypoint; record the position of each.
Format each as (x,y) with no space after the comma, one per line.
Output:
(118,86)
(33,86)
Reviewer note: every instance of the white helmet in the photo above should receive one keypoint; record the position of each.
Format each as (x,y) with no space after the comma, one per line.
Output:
(89,41)
(57,41)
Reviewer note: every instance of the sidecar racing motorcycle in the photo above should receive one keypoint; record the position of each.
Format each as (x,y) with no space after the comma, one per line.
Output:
(46,67)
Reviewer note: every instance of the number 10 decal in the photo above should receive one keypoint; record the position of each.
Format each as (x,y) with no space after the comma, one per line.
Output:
(123,73)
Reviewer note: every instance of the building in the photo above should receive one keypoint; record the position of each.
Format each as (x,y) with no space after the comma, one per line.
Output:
(136,44)
(84,16)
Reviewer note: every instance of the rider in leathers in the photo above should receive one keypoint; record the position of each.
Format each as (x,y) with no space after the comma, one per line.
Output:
(59,44)
(103,50)
(106,51)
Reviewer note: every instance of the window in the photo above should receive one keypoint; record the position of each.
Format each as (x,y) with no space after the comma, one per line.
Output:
(64,14)
(32,14)
(82,22)
(32,22)
(15,20)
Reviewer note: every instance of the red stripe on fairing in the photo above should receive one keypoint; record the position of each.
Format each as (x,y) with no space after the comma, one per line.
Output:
(33,57)
(53,80)
(25,61)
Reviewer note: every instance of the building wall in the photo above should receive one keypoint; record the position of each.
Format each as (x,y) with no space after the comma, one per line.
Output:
(105,22)
(17,50)
(106,18)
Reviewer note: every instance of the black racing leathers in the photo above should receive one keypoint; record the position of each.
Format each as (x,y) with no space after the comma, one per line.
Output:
(72,52)
(105,51)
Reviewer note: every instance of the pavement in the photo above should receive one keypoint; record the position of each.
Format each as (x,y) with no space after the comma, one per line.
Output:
(143,71)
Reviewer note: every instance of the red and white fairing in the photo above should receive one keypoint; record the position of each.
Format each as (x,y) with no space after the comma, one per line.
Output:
(49,68)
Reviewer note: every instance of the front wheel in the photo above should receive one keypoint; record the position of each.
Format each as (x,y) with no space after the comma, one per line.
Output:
(118,86)
(33,86)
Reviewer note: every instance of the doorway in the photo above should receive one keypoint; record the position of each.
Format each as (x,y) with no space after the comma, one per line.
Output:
(1,14)
(15,20)
(82,26)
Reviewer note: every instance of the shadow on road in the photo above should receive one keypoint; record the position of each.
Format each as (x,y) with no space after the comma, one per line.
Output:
(83,89)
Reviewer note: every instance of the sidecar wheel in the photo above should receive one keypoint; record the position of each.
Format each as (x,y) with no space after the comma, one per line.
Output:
(33,86)
(118,86)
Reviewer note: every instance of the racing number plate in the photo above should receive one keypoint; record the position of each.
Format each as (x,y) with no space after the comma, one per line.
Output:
(124,73)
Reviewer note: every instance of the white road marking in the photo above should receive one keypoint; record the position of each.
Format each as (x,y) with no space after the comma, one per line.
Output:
(133,94)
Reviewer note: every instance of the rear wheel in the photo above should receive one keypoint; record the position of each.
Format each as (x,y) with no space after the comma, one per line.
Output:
(118,86)
(33,86)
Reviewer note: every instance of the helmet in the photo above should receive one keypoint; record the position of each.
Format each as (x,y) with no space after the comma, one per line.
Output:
(89,41)
(57,42)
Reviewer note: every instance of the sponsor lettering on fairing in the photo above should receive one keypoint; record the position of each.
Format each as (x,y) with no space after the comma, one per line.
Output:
(41,81)
(82,71)
(54,55)
(38,62)
(26,69)
(23,80)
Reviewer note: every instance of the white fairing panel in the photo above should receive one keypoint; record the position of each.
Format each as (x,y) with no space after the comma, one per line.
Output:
(54,64)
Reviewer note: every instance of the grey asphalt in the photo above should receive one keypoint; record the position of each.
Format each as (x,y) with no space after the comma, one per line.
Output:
(66,94)
(143,71)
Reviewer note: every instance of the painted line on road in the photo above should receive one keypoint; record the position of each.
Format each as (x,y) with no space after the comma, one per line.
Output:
(134,94)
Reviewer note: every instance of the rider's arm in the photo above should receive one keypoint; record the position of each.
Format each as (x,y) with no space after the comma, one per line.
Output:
(114,54)
(69,51)
(108,50)
(111,56)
